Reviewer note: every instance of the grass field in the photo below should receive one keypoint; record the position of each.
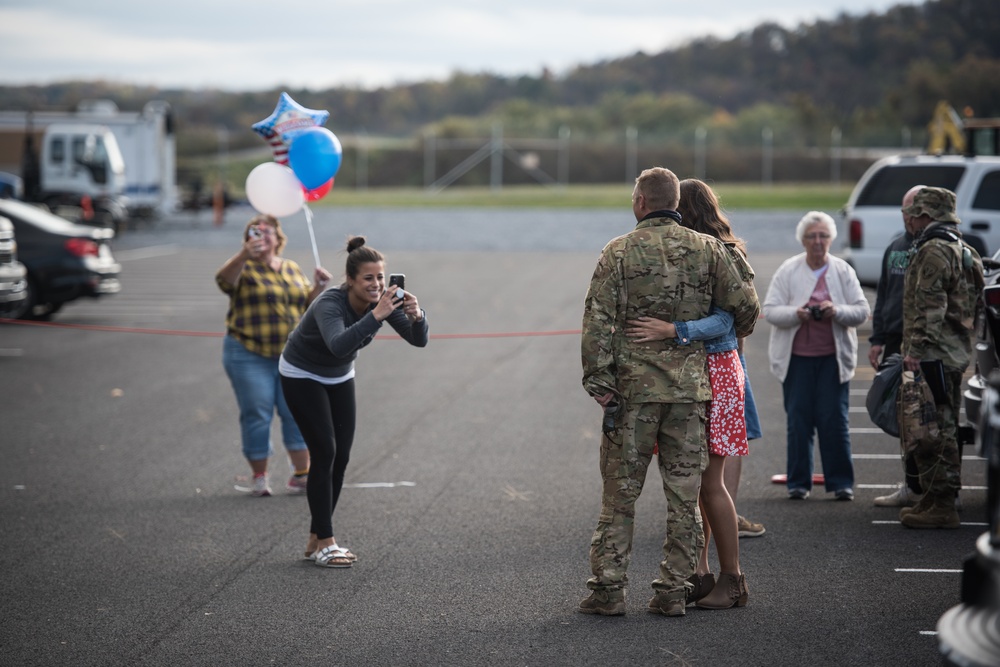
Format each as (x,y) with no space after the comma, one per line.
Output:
(735,196)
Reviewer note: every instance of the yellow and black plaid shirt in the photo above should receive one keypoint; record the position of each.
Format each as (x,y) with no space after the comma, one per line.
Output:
(265,305)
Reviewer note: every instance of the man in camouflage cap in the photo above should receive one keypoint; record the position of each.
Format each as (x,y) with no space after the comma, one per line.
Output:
(654,393)
(941,291)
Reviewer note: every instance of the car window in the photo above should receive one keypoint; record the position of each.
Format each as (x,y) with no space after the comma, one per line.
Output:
(79,150)
(57,150)
(988,196)
(887,186)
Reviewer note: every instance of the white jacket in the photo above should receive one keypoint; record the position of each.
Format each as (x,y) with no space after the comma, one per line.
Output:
(792,285)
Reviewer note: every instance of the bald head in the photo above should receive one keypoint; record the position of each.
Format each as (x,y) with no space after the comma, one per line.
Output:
(908,220)
(908,197)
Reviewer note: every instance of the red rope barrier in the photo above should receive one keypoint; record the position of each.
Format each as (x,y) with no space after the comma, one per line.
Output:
(214,334)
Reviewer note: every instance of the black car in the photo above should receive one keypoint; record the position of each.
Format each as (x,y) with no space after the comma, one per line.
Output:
(984,347)
(13,275)
(64,261)
(967,635)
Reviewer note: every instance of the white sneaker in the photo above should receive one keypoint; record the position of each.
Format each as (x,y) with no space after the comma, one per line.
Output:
(901,497)
(261,486)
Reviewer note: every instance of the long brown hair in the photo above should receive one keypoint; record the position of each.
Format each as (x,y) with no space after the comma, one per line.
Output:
(700,211)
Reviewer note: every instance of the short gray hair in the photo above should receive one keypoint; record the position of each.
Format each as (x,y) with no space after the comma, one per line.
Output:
(811,218)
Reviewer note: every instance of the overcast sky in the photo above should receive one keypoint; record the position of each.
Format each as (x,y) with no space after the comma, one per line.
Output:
(255,44)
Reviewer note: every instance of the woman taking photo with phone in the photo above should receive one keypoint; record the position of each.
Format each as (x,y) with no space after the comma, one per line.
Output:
(267,296)
(317,375)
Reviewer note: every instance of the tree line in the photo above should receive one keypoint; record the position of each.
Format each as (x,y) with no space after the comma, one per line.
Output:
(868,80)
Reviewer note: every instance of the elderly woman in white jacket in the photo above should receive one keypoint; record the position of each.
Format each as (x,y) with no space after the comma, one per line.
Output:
(814,304)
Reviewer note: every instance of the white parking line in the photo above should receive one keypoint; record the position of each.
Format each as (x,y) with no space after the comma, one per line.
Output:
(378,485)
(147,252)
(894,486)
(926,569)
(896,523)
(887,457)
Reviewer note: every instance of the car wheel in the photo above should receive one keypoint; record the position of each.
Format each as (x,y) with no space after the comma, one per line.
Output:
(43,311)
(27,306)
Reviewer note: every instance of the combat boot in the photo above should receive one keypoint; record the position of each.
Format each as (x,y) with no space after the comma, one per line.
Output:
(940,513)
(921,505)
(604,603)
(668,604)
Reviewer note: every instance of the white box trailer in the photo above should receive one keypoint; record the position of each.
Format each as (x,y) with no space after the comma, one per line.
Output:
(146,139)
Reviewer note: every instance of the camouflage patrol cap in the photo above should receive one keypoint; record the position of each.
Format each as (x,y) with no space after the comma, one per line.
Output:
(936,203)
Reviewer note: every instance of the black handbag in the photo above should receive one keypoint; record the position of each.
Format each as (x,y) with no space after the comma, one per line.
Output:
(882,395)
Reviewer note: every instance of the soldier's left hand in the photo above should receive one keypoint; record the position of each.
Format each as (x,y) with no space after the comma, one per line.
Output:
(605,399)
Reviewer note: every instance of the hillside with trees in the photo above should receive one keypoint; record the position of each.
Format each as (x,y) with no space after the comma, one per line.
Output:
(872,79)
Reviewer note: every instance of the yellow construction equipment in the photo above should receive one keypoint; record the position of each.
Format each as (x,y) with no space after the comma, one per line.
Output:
(946,127)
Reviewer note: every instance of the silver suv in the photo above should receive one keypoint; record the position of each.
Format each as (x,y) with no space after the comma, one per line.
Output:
(872,217)
(13,276)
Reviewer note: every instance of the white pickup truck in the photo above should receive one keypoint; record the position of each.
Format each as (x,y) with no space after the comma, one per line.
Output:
(872,217)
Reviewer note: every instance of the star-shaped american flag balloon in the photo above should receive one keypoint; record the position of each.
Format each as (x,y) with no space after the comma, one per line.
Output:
(287,120)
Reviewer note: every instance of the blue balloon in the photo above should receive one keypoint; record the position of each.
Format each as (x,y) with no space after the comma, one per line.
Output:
(315,156)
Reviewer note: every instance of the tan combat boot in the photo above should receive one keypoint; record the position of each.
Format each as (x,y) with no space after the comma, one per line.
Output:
(604,603)
(921,505)
(667,604)
(939,513)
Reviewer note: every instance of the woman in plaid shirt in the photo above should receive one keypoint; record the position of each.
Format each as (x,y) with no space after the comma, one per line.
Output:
(267,296)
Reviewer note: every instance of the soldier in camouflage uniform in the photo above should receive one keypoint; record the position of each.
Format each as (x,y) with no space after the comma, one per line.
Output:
(660,388)
(942,287)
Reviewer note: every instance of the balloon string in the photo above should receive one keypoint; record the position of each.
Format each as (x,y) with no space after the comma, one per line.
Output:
(312,235)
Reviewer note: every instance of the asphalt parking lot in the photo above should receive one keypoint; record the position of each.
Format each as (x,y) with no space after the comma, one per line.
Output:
(472,492)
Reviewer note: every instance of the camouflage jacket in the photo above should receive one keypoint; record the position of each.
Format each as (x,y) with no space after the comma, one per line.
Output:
(669,272)
(940,298)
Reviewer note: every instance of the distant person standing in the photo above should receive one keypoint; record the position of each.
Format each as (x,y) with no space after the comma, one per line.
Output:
(941,293)
(815,304)
(267,296)
(655,392)
(887,330)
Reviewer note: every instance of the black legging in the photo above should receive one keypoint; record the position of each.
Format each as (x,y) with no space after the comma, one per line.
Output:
(325,415)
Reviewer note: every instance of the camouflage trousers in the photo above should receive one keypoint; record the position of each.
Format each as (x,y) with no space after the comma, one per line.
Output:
(679,431)
(938,461)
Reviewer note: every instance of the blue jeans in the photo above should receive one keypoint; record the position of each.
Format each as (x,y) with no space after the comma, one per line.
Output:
(816,401)
(258,392)
(750,406)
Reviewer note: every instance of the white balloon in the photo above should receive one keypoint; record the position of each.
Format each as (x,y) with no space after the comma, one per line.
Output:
(273,189)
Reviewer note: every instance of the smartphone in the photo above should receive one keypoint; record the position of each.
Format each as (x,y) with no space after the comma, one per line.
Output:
(397,279)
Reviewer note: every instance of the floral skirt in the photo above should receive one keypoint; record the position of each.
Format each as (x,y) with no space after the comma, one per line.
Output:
(727,426)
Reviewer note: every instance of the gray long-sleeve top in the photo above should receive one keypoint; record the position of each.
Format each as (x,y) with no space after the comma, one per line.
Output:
(329,335)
